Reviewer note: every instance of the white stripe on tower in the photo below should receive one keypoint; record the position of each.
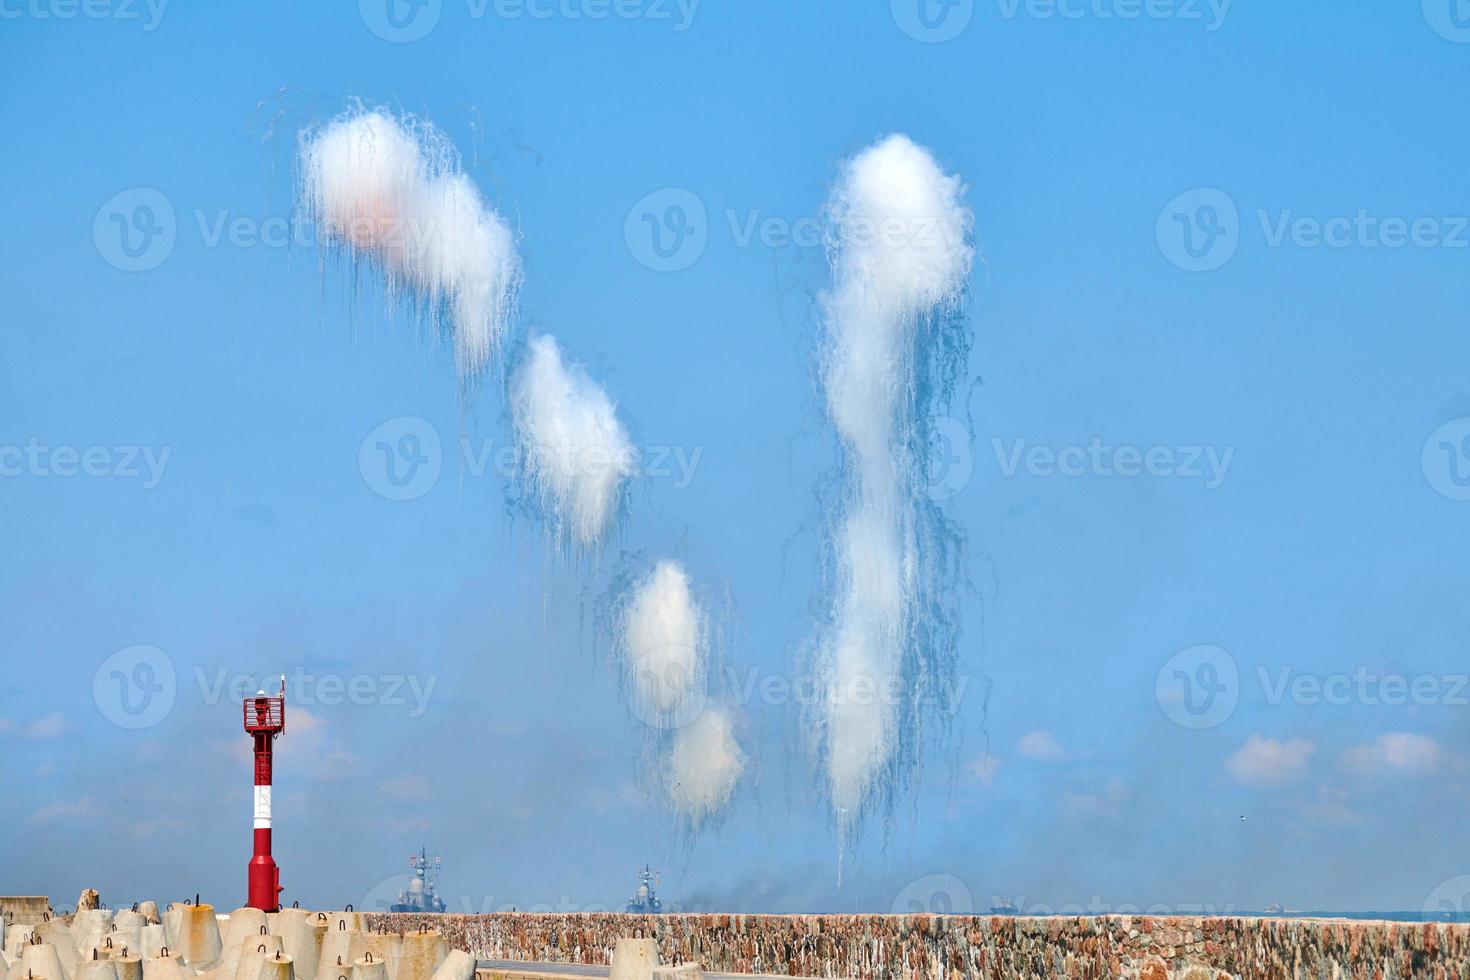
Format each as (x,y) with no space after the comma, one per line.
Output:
(262,808)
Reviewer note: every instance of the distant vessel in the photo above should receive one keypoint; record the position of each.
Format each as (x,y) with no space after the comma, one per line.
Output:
(423,890)
(646,902)
(1006,909)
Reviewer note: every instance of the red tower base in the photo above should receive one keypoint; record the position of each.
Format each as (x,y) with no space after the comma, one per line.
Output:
(265,877)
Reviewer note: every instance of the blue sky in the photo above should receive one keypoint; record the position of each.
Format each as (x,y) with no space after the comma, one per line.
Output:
(228,524)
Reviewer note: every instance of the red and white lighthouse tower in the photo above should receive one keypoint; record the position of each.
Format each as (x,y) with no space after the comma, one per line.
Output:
(265,718)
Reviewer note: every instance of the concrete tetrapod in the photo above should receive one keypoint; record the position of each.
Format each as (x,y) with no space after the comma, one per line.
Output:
(151,942)
(245,931)
(244,924)
(89,928)
(109,949)
(43,960)
(54,932)
(348,921)
(199,940)
(340,949)
(15,941)
(127,930)
(173,924)
(252,957)
(166,968)
(276,968)
(255,965)
(370,967)
(634,959)
(20,971)
(302,934)
(129,965)
(387,947)
(15,945)
(458,965)
(149,911)
(98,968)
(420,956)
(335,966)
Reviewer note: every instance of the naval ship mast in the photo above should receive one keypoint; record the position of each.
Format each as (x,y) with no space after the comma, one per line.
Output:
(423,889)
(646,901)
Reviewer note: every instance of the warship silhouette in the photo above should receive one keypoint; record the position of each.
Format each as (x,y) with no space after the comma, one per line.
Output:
(423,889)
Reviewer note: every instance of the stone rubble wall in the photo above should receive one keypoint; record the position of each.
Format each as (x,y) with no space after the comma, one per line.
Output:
(899,947)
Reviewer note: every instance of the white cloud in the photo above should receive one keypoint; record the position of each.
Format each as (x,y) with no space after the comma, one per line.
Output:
(1396,753)
(53,725)
(408,825)
(409,786)
(504,728)
(331,759)
(1107,802)
(307,747)
(985,768)
(81,809)
(1265,761)
(158,825)
(1332,805)
(1040,745)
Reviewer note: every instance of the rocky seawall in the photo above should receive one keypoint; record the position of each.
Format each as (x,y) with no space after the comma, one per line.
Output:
(887,947)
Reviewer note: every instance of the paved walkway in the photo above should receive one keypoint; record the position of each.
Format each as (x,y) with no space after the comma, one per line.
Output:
(559,970)
(543,969)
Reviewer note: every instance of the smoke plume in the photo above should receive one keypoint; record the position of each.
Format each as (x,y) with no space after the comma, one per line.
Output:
(575,456)
(665,646)
(391,192)
(898,235)
(704,766)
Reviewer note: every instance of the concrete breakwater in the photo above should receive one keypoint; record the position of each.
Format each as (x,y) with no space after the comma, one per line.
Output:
(898,947)
(188,941)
